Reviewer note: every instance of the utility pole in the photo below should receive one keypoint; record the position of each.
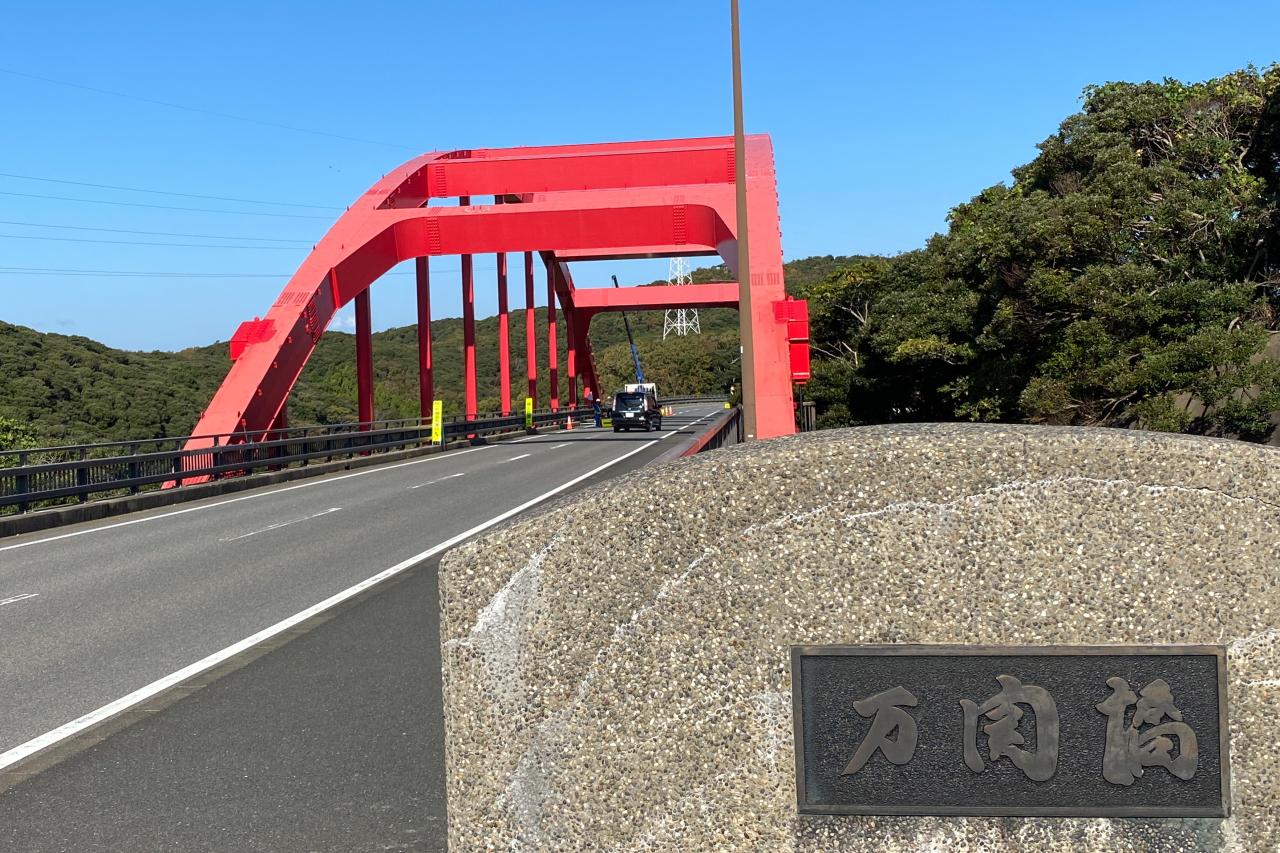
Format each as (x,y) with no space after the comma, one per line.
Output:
(744,259)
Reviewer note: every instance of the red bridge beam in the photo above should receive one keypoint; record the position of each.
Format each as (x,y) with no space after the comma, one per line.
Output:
(533,170)
(613,216)
(657,297)
(623,253)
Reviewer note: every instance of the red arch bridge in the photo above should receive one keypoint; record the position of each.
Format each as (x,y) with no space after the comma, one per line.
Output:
(564,204)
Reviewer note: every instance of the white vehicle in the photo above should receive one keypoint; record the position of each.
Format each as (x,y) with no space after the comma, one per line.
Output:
(642,388)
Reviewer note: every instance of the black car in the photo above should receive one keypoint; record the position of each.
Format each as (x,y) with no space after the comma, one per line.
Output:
(635,410)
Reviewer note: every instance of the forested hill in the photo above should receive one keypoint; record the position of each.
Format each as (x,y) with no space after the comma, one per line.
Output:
(61,389)
(58,389)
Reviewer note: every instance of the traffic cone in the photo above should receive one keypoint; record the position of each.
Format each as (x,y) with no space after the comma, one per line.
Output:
(568,424)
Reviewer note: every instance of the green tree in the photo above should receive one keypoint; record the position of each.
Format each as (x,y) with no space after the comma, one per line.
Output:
(15,435)
(1127,277)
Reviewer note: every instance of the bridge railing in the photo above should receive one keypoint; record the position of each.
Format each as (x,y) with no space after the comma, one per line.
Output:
(48,476)
(694,398)
(724,431)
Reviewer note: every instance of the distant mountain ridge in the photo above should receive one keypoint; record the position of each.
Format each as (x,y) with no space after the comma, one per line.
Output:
(68,389)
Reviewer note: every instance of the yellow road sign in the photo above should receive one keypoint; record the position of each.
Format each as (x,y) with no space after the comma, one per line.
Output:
(437,421)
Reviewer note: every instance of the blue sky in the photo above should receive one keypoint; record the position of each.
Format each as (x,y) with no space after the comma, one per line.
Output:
(883,116)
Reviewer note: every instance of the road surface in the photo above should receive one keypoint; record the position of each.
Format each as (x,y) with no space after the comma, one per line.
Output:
(329,742)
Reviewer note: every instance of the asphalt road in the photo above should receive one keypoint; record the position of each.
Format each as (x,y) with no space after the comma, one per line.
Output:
(329,742)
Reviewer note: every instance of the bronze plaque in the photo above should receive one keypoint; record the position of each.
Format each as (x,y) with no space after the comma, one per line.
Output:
(1085,731)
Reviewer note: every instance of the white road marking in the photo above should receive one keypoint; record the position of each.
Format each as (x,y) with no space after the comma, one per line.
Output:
(15,598)
(690,424)
(558,446)
(694,423)
(142,694)
(278,525)
(319,482)
(441,480)
(526,438)
(514,458)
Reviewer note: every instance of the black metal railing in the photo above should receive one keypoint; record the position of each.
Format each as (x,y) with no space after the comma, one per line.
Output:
(724,431)
(694,398)
(49,476)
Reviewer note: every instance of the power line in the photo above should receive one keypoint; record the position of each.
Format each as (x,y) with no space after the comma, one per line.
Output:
(149,274)
(130,273)
(200,110)
(166,192)
(168,207)
(148,233)
(140,242)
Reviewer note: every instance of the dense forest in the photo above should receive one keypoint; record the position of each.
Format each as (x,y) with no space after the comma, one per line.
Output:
(1128,276)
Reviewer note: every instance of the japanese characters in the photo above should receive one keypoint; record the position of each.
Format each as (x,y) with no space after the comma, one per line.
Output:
(1002,734)
(1145,741)
(1129,749)
(885,708)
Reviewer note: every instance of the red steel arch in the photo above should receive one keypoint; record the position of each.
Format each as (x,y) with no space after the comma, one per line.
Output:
(565,203)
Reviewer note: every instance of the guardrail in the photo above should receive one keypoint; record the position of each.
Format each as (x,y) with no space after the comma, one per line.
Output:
(694,398)
(52,475)
(724,431)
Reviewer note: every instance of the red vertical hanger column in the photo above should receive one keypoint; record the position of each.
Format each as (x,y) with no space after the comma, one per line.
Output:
(426,378)
(364,358)
(552,367)
(504,354)
(571,371)
(469,328)
(530,329)
(586,369)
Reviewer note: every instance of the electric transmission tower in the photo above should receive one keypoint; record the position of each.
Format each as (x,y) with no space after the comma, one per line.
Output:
(682,321)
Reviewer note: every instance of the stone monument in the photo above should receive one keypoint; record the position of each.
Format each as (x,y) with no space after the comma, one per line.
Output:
(617,668)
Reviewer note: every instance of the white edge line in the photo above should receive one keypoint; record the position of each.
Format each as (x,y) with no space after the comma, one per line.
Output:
(440,480)
(142,694)
(686,426)
(317,482)
(280,524)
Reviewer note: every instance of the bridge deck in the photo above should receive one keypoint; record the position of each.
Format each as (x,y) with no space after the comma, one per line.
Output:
(329,742)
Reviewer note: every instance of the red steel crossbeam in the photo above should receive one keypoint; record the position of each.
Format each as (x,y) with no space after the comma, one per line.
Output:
(720,294)
(641,199)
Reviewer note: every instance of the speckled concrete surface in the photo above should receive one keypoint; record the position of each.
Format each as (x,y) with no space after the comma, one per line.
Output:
(616,668)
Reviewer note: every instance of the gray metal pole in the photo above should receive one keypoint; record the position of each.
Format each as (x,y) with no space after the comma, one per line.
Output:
(744,259)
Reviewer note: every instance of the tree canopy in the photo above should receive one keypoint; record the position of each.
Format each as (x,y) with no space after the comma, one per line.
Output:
(1128,276)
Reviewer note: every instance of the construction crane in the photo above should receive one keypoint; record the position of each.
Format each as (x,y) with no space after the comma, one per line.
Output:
(635,354)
